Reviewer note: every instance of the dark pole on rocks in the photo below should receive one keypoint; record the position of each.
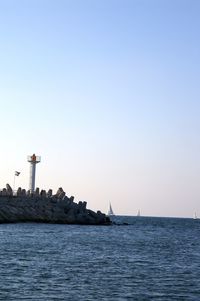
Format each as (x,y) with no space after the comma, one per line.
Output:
(17,173)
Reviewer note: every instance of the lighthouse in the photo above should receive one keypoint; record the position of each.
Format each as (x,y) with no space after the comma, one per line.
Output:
(33,160)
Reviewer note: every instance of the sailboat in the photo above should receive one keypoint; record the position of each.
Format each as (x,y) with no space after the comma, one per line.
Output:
(195,216)
(138,213)
(110,211)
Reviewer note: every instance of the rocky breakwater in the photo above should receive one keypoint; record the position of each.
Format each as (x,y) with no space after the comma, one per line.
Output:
(42,206)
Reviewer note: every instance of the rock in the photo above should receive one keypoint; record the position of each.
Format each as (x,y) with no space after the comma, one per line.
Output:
(59,191)
(43,193)
(49,193)
(43,207)
(19,191)
(23,193)
(61,195)
(37,192)
(4,192)
(9,190)
(82,206)
(71,198)
(83,218)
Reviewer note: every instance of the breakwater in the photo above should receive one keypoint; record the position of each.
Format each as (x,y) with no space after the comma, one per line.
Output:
(46,207)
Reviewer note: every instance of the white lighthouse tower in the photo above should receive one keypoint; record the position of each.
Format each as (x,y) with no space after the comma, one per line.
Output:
(33,160)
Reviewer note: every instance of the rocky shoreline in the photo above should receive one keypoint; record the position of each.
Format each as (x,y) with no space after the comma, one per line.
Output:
(44,207)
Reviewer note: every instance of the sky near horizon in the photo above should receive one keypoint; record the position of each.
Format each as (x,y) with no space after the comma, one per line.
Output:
(107,93)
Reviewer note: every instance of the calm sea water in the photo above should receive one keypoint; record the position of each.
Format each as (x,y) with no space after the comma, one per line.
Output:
(150,259)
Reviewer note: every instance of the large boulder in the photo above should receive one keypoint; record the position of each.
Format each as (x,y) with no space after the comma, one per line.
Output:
(9,190)
(19,191)
(49,193)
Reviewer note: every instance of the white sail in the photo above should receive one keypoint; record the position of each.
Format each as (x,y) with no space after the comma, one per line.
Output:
(138,213)
(110,211)
(195,215)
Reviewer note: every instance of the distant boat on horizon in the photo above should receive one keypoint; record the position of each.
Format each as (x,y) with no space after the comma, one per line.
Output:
(195,216)
(138,213)
(110,210)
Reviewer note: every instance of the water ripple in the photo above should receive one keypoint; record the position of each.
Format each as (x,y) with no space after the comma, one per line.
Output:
(151,259)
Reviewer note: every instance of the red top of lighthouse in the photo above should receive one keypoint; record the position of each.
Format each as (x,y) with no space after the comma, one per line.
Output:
(34,159)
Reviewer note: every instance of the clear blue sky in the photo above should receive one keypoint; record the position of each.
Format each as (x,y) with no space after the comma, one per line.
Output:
(107,92)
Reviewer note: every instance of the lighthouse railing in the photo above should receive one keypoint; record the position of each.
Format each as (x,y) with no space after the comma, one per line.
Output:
(37,159)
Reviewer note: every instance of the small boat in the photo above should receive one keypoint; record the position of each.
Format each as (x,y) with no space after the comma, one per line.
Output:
(195,216)
(110,211)
(138,213)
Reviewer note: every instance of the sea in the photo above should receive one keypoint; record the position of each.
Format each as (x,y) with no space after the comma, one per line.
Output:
(138,258)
